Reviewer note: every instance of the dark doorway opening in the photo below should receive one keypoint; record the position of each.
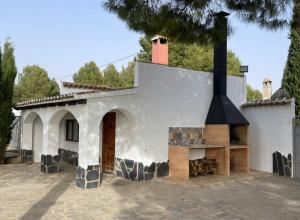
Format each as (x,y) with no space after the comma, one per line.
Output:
(108,142)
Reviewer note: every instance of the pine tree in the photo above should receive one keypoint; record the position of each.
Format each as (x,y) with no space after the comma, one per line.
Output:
(89,74)
(111,76)
(291,76)
(127,75)
(8,72)
(193,21)
(34,83)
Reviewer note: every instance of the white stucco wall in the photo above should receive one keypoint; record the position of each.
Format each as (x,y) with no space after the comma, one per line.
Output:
(37,145)
(270,130)
(63,143)
(165,97)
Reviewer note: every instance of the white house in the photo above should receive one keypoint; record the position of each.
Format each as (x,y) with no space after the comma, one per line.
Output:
(120,129)
(130,132)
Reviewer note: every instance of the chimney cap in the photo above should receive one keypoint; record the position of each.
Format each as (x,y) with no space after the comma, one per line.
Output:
(267,80)
(156,37)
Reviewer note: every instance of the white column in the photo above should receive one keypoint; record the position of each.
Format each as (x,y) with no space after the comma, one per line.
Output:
(88,142)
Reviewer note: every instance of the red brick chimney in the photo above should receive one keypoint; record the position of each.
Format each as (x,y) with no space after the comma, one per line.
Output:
(160,54)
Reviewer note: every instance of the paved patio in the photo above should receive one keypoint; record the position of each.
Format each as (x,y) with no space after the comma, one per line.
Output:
(25,193)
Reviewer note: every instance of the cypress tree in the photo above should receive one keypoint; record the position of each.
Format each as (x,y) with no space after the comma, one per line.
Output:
(291,76)
(8,72)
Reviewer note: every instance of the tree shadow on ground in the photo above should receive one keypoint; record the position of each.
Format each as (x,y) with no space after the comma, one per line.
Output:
(41,207)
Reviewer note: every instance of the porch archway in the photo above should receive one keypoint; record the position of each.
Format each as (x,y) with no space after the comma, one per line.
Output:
(63,136)
(32,137)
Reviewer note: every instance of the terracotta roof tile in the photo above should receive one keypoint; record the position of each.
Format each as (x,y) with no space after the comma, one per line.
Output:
(86,86)
(267,103)
(45,100)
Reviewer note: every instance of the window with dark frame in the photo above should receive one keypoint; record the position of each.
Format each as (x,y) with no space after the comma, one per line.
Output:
(72,130)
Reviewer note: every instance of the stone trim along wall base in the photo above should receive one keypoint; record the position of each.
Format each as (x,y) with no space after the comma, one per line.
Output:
(27,156)
(49,163)
(68,156)
(88,178)
(136,171)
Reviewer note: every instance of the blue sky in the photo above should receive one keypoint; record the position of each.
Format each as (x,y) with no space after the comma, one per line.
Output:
(61,35)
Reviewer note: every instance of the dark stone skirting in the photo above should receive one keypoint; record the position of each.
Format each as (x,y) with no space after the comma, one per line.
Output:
(136,171)
(49,164)
(282,165)
(27,156)
(68,156)
(88,178)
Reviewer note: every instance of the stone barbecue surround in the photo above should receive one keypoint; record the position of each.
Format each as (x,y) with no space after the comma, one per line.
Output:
(220,154)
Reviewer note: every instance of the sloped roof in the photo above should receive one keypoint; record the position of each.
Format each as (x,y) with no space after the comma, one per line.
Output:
(267,102)
(45,101)
(86,86)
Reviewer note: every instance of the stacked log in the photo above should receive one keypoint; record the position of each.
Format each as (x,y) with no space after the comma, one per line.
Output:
(202,167)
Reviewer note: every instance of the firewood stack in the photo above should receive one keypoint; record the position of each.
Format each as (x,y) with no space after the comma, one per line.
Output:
(203,167)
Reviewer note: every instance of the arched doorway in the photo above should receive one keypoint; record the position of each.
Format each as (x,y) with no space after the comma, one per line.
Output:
(108,141)
(116,139)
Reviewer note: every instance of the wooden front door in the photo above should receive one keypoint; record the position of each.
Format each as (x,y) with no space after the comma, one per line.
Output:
(108,142)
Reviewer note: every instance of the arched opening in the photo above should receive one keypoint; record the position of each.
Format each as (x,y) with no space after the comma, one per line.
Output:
(37,139)
(63,138)
(116,139)
(32,138)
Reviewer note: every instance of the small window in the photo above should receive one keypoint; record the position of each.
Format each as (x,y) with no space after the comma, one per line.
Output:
(72,130)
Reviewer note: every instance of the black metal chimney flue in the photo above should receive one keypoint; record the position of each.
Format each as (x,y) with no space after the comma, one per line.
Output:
(222,110)
(220,53)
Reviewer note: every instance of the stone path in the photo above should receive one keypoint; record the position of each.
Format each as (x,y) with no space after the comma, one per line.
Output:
(25,193)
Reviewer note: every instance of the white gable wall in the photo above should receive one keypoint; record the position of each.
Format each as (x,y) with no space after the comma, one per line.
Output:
(270,130)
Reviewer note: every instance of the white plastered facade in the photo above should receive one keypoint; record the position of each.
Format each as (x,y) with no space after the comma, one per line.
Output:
(162,97)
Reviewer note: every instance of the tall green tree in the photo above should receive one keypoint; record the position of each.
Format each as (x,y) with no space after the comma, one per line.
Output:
(34,82)
(8,72)
(193,21)
(253,94)
(127,75)
(111,76)
(191,56)
(291,75)
(89,74)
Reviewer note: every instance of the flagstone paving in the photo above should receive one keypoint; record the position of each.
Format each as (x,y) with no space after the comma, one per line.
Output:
(26,193)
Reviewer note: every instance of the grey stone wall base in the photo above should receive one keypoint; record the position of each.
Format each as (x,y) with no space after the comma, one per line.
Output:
(282,165)
(49,164)
(27,156)
(136,171)
(68,156)
(88,178)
